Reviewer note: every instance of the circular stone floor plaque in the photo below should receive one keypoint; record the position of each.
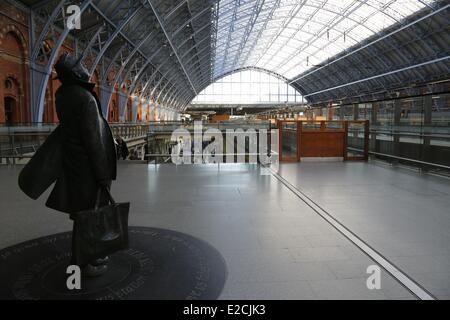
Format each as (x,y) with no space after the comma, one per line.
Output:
(159,264)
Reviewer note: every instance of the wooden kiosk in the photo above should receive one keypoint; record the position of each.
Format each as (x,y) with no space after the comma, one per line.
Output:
(323,139)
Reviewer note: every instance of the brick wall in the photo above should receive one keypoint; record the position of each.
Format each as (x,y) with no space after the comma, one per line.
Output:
(15,100)
(14,63)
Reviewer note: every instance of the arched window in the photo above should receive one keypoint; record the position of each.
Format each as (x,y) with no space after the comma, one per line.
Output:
(10,110)
(8,84)
(248,87)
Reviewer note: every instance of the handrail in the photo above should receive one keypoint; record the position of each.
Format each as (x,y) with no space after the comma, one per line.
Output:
(402,158)
(213,154)
(407,133)
(155,155)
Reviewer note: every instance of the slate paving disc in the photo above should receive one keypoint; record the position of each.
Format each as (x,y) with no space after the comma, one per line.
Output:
(159,264)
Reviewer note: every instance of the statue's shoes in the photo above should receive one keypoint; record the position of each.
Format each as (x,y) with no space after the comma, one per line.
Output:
(92,271)
(100,261)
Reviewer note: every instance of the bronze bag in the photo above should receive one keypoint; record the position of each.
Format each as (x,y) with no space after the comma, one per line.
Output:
(101,231)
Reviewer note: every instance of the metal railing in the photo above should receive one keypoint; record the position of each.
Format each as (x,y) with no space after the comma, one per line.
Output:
(170,126)
(224,157)
(20,141)
(421,146)
(425,149)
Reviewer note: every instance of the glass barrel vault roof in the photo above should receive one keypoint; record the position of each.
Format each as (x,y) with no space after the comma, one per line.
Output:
(291,36)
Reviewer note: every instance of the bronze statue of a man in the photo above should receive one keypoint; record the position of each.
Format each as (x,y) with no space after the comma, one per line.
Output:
(80,154)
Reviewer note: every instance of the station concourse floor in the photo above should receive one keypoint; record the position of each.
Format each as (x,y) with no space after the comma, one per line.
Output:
(274,245)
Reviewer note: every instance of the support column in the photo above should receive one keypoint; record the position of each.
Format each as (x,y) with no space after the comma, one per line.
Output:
(134,108)
(355,117)
(330,113)
(342,112)
(372,125)
(427,118)
(123,100)
(374,114)
(105,97)
(37,82)
(156,112)
(144,111)
(355,111)
(396,129)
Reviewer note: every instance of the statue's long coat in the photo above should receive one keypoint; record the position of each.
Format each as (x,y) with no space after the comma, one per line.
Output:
(79,153)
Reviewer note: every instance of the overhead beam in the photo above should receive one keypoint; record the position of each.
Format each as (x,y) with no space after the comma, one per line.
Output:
(379,75)
(169,40)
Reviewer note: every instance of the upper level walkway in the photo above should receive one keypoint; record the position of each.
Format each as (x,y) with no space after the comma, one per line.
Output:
(275,242)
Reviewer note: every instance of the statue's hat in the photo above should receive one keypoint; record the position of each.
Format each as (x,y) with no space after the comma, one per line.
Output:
(69,68)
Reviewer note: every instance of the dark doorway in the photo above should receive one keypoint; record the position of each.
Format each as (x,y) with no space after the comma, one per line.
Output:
(10,105)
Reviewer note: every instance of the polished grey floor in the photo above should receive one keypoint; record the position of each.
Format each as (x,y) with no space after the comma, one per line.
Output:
(274,245)
(404,215)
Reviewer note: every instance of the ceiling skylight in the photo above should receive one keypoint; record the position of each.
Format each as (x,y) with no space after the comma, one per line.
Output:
(291,36)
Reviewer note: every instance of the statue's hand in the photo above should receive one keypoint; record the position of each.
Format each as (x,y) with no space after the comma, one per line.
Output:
(104,183)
